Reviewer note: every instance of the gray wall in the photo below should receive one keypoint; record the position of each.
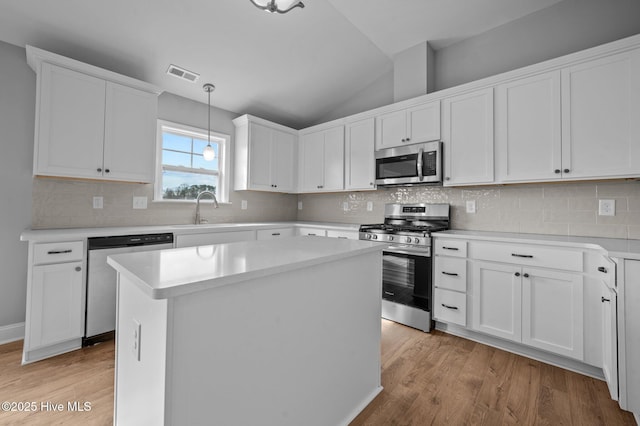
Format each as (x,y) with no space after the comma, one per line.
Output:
(566,27)
(17,94)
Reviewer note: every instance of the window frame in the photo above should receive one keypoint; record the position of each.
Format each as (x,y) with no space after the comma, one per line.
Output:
(222,189)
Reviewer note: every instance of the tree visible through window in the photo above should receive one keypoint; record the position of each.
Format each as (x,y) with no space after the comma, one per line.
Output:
(183,171)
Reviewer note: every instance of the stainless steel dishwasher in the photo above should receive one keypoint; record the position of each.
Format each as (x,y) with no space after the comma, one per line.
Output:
(100,321)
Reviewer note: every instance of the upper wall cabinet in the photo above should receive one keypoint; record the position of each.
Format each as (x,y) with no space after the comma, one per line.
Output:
(468,138)
(359,162)
(528,140)
(265,155)
(92,123)
(600,111)
(322,160)
(416,124)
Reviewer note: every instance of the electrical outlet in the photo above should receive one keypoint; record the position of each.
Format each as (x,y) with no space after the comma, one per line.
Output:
(607,207)
(345,206)
(135,345)
(471,206)
(139,202)
(299,205)
(98,202)
(369,206)
(243,204)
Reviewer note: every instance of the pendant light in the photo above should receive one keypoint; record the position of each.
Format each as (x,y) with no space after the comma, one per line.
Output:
(276,6)
(208,153)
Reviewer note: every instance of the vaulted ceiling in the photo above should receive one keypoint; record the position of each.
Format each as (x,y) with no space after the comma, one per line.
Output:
(292,68)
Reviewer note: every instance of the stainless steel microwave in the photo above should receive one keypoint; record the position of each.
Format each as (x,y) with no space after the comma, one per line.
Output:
(418,164)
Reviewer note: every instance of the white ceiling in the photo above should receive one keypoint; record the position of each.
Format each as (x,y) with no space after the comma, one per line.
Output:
(293,68)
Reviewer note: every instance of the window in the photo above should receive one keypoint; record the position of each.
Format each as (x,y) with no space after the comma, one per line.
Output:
(181,170)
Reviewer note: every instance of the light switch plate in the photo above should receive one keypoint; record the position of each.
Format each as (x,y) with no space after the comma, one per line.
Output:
(98,202)
(139,202)
(369,206)
(471,206)
(243,204)
(607,207)
(345,206)
(299,205)
(135,344)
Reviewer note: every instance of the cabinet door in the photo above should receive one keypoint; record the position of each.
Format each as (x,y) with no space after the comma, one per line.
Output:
(260,157)
(130,134)
(468,138)
(334,159)
(282,161)
(312,161)
(610,340)
(497,295)
(56,304)
(70,131)
(391,129)
(423,123)
(600,126)
(208,238)
(552,311)
(528,144)
(360,161)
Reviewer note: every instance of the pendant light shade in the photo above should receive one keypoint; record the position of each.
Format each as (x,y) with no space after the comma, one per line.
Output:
(208,153)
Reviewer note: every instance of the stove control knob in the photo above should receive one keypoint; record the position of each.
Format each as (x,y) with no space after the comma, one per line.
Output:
(408,239)
(417,240)
(375,237)
(368,236)
(390,237)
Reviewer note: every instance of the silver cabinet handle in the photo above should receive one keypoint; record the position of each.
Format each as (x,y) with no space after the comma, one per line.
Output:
(603,299)
(59,251)
(602,269)
(450,274)
(450,248)
(78,269)
(455,308)
(343,238)
(566,171)
(275,234)
(526,275)
(419,164)
(389,293)
(517,274)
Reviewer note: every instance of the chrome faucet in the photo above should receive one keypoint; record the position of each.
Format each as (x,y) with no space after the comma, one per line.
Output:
(215,205)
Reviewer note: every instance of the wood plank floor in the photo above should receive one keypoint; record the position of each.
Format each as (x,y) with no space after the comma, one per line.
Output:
(428,379)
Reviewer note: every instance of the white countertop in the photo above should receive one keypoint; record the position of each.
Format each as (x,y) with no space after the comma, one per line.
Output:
(163,274)
(615,247)
(66,234)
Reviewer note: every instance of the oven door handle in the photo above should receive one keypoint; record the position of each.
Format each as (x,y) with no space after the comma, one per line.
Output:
(419,164)
(410,252)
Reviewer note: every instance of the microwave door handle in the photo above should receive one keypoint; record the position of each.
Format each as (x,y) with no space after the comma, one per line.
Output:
(419,164)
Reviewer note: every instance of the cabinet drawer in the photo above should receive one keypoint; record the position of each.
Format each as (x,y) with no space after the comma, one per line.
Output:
(450,306)
(347,235)
(57,252)
(313,232)
(266,234)
(450,273)
(457,248)
(528,255)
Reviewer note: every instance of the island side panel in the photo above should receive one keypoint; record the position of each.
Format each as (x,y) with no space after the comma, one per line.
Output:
(140,380)
(301,347)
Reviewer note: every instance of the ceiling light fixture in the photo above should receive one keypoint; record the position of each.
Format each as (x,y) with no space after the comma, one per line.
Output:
(277,6)
(208,153)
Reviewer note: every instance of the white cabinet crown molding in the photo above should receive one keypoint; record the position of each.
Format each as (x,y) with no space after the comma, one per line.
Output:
(36,56)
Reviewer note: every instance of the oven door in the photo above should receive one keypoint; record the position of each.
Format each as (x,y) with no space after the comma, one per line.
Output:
(406,279)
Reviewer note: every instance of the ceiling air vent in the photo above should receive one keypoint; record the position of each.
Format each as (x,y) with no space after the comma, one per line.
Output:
(182,73)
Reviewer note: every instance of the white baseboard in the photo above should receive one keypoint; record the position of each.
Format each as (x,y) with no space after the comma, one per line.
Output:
(11,333)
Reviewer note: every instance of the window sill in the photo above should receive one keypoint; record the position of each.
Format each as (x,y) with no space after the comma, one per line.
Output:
(203,201)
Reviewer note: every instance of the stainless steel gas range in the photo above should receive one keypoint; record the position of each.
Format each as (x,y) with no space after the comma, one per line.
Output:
(407,264)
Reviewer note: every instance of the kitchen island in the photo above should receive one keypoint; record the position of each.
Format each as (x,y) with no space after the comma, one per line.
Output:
(279,332)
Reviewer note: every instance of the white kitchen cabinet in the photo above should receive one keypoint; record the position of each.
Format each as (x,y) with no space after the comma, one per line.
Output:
(360,161)
(54,321)
(322,160)
(628,322)
(609,299)
(468,138)
(420,123)
(497,298)
(208,238)
(265,156)
(90,127)
(528,122)
(600,126)
(270,234)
